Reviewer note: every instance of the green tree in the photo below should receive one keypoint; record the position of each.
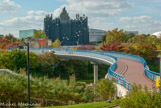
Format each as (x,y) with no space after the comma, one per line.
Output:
(129,36)
(17,59)
(39,34)
(5,61)
(105,88)
(141,98)
(103,38)
(56,43)
(33,60)
(115,35)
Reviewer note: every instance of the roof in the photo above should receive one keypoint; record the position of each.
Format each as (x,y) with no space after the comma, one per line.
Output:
(158,34)
(96,30)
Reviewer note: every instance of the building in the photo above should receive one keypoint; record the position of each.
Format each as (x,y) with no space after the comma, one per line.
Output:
(1,35)
(38,42)
(95,35)
(132,32)
(26,33)
(158,34)
(68,31)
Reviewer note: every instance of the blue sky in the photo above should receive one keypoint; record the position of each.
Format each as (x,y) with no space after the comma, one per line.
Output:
(138,15)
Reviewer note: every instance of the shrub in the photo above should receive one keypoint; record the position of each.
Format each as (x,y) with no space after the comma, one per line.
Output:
(44,91)
(142,98)
(105,88)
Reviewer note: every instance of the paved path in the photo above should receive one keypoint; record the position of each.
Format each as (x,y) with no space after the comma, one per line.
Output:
(134,73)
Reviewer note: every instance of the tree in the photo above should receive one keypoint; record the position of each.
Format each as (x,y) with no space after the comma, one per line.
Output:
(114,46)
(17,59)
(11,38)
(4,43)
(129,36)
(143,45)
(145,39)
(103,38)
(39,34)
(106,88)
(86,47)
(141,98)
(144,50)
(56,43)
(115,35)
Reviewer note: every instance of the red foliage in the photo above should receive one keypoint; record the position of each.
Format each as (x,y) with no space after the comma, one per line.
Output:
(86,47)
(5,44)
(114,46)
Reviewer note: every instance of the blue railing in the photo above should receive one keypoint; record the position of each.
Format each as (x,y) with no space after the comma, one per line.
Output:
(111,74)
(149,74)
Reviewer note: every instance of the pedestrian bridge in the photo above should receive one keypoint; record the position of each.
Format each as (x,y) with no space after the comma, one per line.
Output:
(126,69)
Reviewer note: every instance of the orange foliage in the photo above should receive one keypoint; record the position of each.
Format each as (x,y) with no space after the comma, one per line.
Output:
(114,46)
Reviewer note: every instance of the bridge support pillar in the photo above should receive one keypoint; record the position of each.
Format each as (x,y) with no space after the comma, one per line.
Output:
(95,72)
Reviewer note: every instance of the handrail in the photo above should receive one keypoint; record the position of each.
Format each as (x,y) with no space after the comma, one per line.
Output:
(148,73)
(111,74)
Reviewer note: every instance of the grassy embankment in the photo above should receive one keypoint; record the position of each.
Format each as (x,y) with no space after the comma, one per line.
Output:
(88,105)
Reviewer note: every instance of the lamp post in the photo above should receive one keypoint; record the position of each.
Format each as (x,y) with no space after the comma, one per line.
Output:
(28,71)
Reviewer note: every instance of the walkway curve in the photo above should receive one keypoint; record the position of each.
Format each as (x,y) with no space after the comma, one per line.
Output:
(126,69)
(135,73)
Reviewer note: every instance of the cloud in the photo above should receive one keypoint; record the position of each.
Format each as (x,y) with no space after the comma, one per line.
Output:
(140,19)
(33,20)
(145,24)
(95,8)
(38,13)
(7,6)
(98,11)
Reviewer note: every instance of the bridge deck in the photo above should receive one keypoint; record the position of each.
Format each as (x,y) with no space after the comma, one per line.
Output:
(134,73)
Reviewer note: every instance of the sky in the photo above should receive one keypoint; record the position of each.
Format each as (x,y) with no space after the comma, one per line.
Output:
(132,15)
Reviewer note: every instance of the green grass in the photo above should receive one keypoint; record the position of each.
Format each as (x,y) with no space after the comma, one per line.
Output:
(89,105)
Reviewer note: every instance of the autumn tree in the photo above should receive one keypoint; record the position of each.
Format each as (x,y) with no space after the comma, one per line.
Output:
(39,34)
(56,43)
(86,47)
(144,50)
(11,38)
(145,39)
(115,35)
(114,46)
(4,42)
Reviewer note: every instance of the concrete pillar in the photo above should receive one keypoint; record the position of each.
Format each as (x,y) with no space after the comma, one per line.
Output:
(95,73)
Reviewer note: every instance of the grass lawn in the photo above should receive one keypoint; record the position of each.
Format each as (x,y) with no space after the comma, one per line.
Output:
(88,105)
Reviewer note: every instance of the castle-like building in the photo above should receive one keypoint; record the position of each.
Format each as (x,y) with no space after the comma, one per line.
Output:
(68,31)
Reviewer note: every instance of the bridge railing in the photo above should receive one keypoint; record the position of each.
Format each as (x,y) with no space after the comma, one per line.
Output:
(119,78)
(149,74)
(111,74)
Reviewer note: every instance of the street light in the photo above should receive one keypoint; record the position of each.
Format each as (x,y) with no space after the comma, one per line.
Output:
(28,71)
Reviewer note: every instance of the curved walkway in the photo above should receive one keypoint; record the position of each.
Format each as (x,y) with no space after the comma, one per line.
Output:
(132,70)
(134,73)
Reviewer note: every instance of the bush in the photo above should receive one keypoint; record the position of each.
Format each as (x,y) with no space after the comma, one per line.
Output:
(17,59)
(142,98)
(44,91)
(105,88)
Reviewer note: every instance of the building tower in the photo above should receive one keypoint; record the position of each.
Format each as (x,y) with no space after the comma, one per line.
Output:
(68,31)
